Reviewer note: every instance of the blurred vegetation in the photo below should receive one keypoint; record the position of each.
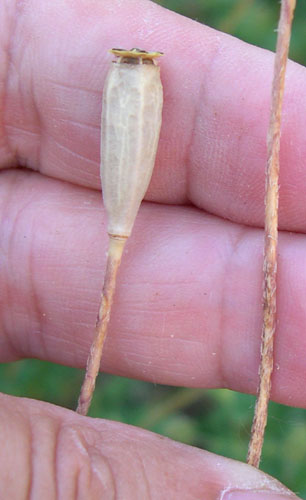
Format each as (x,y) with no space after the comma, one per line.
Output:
(217,420)
(254,21)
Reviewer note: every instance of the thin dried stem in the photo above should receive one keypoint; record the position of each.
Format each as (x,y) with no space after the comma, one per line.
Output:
(115,250)
(271,222)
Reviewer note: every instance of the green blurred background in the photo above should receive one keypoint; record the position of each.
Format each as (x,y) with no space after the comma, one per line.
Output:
(217,420)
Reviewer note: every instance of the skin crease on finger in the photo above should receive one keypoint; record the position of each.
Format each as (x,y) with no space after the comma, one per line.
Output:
(56,454)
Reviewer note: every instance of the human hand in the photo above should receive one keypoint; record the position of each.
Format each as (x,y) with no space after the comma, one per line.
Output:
(188,302)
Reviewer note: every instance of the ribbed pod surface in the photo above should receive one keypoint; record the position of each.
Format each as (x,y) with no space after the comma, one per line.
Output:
(131,120)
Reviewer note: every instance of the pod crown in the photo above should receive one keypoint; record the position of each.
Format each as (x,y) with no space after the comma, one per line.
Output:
(135,56)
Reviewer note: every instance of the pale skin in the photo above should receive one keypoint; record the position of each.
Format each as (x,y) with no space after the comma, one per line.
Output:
(188,301)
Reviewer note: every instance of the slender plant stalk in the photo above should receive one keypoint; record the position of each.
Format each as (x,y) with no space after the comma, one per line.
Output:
(115,250)
(271,222)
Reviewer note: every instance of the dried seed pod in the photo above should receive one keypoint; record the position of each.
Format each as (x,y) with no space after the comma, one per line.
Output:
(131,120)
(130,126)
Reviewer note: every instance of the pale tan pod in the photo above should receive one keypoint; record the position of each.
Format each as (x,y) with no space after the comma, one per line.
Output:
(130,125)
(131,120)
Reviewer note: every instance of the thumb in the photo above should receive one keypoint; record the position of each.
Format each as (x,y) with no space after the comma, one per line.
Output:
(53,453)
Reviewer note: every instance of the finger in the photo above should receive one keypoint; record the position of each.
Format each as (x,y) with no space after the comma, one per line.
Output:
(217,99)
(187,308)
(55,452)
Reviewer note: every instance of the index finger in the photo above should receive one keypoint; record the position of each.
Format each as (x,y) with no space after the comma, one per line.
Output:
(217,96)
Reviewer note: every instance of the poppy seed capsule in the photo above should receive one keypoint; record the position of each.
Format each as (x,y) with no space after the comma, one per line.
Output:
(131,120)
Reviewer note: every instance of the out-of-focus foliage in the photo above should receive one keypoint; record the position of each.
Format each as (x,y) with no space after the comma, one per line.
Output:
(254,21)
(217,420)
